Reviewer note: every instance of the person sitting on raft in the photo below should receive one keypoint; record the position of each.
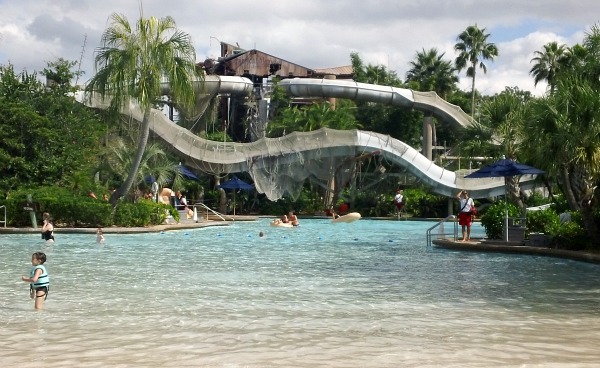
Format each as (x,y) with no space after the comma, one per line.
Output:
(293,219)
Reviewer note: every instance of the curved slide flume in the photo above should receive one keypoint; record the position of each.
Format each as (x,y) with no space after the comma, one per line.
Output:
(428,102)
(231,157)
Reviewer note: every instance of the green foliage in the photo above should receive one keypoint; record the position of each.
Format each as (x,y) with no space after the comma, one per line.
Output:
(42,133)
(313,117)
(493,219)
(422,203)
(541,221)
(536,199)
(77,209)
(218,136)
(418,203)
(570,235)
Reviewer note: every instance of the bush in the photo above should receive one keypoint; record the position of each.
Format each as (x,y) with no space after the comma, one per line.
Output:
(72,209)
(569,235)
(493,219)
(541,221)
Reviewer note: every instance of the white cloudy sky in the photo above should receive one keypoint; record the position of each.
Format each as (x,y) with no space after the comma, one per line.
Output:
(312,33)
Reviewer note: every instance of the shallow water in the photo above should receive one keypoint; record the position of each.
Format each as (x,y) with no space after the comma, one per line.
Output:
(367,294)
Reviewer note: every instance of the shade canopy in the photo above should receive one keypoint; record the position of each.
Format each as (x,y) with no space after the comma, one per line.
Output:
(504,168)
(186,172)
(235,183)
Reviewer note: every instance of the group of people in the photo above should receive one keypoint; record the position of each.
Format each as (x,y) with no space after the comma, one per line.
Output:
(290,218)
(177,200)
(38,279)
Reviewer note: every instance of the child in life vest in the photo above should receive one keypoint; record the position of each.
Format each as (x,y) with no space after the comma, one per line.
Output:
(38,279)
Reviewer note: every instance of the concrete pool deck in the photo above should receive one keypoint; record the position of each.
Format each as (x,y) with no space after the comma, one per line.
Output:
(486,245)
(182,225)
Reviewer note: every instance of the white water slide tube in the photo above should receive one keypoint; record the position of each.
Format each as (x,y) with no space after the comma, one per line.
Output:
(231,157)
(428,102)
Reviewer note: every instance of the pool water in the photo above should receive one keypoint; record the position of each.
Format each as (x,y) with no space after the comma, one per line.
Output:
(365,294)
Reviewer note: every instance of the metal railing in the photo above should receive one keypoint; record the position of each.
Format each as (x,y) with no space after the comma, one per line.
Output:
(208,209)
(3,221)
(441,234)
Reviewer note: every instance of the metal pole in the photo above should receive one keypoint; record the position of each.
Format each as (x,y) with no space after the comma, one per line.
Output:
(505,227)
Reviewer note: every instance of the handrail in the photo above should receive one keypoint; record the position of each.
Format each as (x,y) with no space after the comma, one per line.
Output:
(208,209)
(441,233)
(4,220)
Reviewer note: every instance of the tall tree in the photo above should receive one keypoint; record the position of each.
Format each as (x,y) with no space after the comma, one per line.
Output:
(132,63)
(473,48)
(46,137)
(566,124)
(430,72)
(548,63)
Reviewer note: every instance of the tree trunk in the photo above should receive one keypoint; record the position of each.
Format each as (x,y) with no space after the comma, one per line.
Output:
(473,91)
(135,165)
(514,192)
(222,196)
(587,215)
(582,185)
(566,184)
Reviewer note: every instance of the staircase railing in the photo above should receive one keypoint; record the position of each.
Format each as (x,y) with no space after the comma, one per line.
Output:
(442,234)
(208,209)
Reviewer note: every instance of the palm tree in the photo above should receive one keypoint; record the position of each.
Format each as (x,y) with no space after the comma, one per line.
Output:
(431,72)
(132,63)
(548,63)
(473,49)
(566,125)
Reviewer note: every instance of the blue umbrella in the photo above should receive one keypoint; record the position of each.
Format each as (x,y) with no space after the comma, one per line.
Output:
(235,183)
(504,168)
(187,172)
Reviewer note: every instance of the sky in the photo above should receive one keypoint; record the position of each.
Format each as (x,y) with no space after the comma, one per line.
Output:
(311,33)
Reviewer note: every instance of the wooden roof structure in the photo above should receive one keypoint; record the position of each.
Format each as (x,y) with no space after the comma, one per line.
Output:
(238,62)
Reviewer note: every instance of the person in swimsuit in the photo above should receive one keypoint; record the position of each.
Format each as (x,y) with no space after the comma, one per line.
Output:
(38,279)
(99,236)
(47,228)
(293,219)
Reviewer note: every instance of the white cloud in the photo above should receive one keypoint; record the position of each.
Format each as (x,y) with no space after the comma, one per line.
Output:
(311,33)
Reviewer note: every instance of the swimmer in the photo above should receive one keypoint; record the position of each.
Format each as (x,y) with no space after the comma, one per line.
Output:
(99,236)
(47,228)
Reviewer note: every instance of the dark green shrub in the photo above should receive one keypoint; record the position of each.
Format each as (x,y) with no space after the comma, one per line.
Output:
(72,209)
(493,219)
(541,221)
(569,235)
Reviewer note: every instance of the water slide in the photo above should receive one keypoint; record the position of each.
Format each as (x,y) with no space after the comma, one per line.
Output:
(231,157)
(428,102)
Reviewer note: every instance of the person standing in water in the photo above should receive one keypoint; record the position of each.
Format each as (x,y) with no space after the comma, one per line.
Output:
(38,279)
(465,217)
(99,236)
(47,228)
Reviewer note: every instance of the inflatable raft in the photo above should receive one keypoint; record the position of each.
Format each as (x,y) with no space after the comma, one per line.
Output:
(349,217)
(277,223)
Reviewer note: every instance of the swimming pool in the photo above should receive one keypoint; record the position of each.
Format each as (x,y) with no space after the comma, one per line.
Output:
(366,294)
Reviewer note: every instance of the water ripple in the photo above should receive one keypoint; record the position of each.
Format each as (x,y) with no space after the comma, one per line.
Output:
(367,295)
